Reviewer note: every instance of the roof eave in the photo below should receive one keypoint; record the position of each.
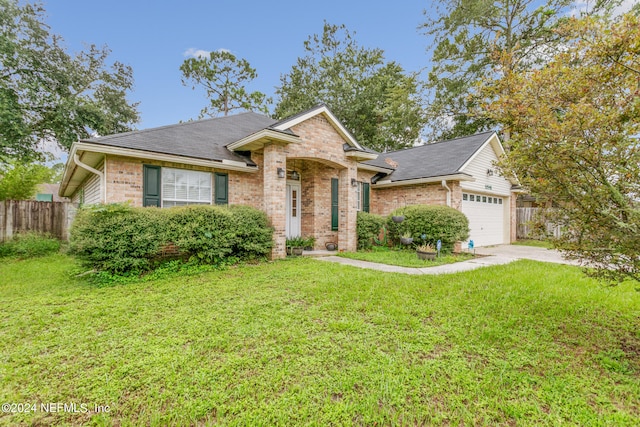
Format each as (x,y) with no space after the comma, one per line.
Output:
(83,146)
(257,140)
(361,155)
(428,180)
(366,167)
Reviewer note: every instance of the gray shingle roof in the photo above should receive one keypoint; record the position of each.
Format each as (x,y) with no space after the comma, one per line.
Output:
(203,139)
(431,160)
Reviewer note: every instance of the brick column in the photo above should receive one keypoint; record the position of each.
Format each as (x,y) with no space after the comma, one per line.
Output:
(347,239)
(275,196)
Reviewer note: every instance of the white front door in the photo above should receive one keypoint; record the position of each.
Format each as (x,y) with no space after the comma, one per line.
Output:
(293,209)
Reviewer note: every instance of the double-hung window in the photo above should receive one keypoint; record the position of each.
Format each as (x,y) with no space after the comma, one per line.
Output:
(185,187)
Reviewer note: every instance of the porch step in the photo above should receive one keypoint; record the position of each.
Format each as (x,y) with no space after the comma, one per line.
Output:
(319,253)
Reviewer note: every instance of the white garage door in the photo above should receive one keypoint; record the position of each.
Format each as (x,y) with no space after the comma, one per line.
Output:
(486,218)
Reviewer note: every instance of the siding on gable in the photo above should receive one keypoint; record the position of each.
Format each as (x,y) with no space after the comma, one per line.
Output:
(495,184)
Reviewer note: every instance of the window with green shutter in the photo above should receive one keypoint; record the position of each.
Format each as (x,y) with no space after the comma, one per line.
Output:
(334,203)
(151,186)
(221,189)
(365,197)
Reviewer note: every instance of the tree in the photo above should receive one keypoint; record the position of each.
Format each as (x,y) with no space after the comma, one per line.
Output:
(575,126)
(19,181)
(223,76)
(468,37)
(47,94)
(376,100)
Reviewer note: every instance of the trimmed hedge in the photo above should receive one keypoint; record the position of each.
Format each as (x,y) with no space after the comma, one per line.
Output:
(368,227)
(433,222)
(120,239)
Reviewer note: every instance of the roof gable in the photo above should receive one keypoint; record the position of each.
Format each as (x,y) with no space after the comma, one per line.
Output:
(324,110)
(443,158)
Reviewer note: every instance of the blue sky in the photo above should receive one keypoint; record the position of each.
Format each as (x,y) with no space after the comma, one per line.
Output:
(153,36)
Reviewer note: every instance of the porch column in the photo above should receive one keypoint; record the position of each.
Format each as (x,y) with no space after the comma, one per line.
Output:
(347,239)
(275,196)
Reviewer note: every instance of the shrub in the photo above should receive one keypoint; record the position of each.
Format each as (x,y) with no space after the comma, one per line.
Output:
(121,239)
(428,224)
(254,236)
(368,227)
(29,244)
(117,237)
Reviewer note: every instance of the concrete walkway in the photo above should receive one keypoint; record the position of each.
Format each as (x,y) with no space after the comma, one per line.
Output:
(495,255)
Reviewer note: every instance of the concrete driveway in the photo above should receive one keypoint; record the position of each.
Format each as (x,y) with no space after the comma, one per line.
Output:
(525,252)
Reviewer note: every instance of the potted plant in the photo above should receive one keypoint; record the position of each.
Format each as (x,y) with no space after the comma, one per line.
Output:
(406,239)
(426,252)
(295,245)
(309,242)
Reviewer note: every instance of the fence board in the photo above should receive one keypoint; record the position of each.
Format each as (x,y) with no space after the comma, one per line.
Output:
(17,216)
(527,223)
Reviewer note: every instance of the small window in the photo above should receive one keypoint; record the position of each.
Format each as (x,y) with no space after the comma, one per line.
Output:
(472,198)
(500,201)
(359,196)
(491,200)
(465,196)
(484,199)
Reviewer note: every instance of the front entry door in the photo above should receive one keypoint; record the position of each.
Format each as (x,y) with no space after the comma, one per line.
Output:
(293,209)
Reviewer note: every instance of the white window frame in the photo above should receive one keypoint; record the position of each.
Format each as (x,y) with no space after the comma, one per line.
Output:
(358,196)
(191,175)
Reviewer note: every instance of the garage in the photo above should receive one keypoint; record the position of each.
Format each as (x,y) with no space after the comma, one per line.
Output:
(486,218)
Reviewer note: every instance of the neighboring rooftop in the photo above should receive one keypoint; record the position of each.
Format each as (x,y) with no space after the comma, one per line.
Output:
(431,160)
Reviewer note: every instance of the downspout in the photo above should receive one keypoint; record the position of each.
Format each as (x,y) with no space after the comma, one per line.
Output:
(77,161)
(444,184)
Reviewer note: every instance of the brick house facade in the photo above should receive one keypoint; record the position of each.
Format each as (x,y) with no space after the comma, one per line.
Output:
(306,172)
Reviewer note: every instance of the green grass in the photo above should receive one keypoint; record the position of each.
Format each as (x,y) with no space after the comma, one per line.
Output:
(403,258)
(535,243)
(309,342)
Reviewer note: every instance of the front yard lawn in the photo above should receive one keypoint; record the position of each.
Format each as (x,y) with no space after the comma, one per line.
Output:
(403,258)
(308,342)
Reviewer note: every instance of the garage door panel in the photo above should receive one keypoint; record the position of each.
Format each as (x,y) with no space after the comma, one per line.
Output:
(486,220)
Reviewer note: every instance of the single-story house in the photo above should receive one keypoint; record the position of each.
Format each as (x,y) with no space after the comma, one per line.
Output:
(307,172)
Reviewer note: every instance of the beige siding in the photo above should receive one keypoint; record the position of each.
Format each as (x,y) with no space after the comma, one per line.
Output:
(478,167)
(90,188)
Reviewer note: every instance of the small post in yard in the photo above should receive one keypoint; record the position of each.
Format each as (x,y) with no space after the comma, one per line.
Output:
(439,246)
(471,246)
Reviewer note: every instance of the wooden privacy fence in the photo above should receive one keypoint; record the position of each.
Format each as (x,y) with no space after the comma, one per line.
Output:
(532,224)
(18,216)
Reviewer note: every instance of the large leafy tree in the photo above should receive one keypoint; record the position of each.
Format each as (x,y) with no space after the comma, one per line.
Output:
(376,100)
(468,36)
(48,94)
(19,181)
(223,77)
(575,127)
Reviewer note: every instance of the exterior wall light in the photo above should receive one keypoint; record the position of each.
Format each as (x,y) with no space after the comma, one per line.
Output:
(280,173)
(295,175)
(354,183)
(489,172)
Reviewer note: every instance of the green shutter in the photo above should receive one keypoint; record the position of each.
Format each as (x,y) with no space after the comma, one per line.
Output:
(365,197)
(151,186)
(334,204)
(221,189)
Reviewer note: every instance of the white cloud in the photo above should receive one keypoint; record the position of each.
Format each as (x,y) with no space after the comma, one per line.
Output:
(581,7)
(201,53)
(196,53)
(624,7)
